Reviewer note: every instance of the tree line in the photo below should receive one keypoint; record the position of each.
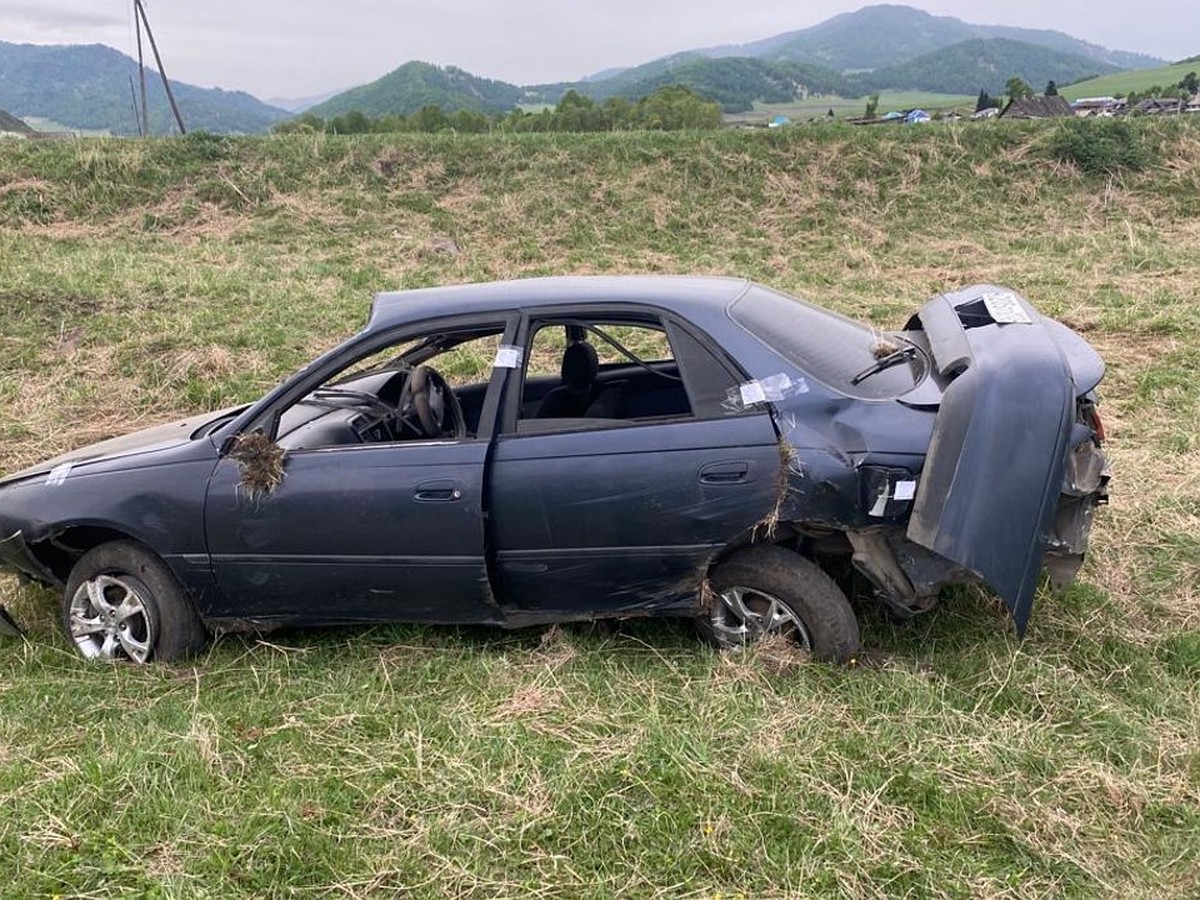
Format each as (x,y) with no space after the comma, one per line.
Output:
(670,108)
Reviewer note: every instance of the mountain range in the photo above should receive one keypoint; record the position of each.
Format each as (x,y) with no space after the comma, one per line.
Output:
(876,48)
(86,86)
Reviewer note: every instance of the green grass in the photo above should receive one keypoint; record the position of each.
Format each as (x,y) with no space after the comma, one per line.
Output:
(144,280)
(1133,80)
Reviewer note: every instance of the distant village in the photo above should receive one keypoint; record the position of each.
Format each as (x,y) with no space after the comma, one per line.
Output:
(1033,107)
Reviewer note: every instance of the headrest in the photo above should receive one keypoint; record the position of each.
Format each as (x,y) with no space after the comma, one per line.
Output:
(580,365)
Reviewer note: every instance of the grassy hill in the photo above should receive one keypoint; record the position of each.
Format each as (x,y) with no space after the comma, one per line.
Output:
(1125,82)
(142,281)
(87,87)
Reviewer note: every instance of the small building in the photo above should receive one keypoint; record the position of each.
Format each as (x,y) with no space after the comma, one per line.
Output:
(1037,108)
(1160,106)
(989,112)
(917,117)
(1097,106)
(779,122)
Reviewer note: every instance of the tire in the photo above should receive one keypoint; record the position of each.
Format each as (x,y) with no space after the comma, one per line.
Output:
(122,603)
(768,589)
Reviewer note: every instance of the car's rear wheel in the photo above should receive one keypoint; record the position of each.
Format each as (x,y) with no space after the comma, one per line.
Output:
(765,590)
(122,603)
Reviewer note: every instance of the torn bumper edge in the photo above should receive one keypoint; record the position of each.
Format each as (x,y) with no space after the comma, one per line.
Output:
(9,628)
(15,555)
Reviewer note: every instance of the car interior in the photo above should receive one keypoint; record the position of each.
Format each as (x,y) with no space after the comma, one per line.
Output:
(578,374)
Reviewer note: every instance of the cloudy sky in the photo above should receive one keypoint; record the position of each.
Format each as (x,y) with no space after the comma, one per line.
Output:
(293,48)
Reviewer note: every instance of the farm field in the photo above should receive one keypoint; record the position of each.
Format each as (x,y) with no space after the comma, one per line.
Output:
(1133,80)
(142,281)
(843,107)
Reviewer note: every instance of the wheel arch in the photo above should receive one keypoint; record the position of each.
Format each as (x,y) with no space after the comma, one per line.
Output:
(64,545)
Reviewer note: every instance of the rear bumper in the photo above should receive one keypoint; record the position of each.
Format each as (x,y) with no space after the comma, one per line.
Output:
(1003,456)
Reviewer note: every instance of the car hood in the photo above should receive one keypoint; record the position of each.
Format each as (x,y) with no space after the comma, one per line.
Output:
(160,437)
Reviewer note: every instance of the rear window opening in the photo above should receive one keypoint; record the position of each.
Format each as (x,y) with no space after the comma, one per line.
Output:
(839,352)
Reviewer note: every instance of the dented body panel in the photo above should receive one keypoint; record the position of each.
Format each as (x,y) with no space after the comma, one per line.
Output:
(961,448)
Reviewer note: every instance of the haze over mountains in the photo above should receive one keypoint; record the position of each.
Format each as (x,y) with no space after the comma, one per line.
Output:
(852,54)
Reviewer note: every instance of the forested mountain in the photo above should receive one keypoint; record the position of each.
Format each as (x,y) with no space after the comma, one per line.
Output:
(735,83)
(87,86)
(986,64)
(877,37)
(11,123)
(417,84)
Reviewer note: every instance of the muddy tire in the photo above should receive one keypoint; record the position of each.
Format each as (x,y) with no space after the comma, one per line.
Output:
(767,589)
(122,603)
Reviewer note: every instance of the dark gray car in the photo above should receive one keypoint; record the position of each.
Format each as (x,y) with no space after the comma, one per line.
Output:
(573,448)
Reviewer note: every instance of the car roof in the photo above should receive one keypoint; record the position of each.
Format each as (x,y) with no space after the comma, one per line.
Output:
(684,294)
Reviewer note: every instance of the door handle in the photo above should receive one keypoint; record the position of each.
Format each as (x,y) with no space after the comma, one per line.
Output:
(439,491)
(728,472)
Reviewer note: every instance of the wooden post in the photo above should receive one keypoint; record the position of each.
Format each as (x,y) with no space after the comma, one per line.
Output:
(133,97)
(161,71)
(144,122)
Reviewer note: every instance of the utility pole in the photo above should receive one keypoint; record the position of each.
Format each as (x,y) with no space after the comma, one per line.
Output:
(144,122)
(133,96)
(141,10)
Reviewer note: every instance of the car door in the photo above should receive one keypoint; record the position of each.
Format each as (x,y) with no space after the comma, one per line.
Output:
(387,531)
(624,515)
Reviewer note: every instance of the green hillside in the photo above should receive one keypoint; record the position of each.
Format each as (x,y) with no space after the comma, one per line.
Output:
(736,84)
(11,123)
(976,64)
(1126,82)
(87,87)
(141,281)
(414,85)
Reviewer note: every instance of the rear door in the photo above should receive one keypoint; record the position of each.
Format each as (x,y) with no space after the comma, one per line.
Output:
(623,514)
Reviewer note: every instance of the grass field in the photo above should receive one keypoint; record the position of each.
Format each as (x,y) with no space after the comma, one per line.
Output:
(1133,80)
(140,281)
(803,110)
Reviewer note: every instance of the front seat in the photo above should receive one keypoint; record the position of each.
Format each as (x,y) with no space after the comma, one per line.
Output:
(572,398)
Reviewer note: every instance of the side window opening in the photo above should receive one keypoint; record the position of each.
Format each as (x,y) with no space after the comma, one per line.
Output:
(426,387)
(596,373)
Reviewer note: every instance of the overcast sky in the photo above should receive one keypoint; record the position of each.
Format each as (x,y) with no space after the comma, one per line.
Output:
(294,48)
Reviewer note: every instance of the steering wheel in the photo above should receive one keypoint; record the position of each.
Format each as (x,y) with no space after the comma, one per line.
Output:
(438,411)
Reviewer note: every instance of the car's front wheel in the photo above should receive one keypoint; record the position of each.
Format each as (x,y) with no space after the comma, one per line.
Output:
(123,603)
(765,590)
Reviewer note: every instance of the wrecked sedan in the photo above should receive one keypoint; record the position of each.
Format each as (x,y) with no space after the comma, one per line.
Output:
(574,448)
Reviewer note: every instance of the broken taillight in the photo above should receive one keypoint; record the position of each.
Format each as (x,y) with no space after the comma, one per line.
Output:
(1097,426)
